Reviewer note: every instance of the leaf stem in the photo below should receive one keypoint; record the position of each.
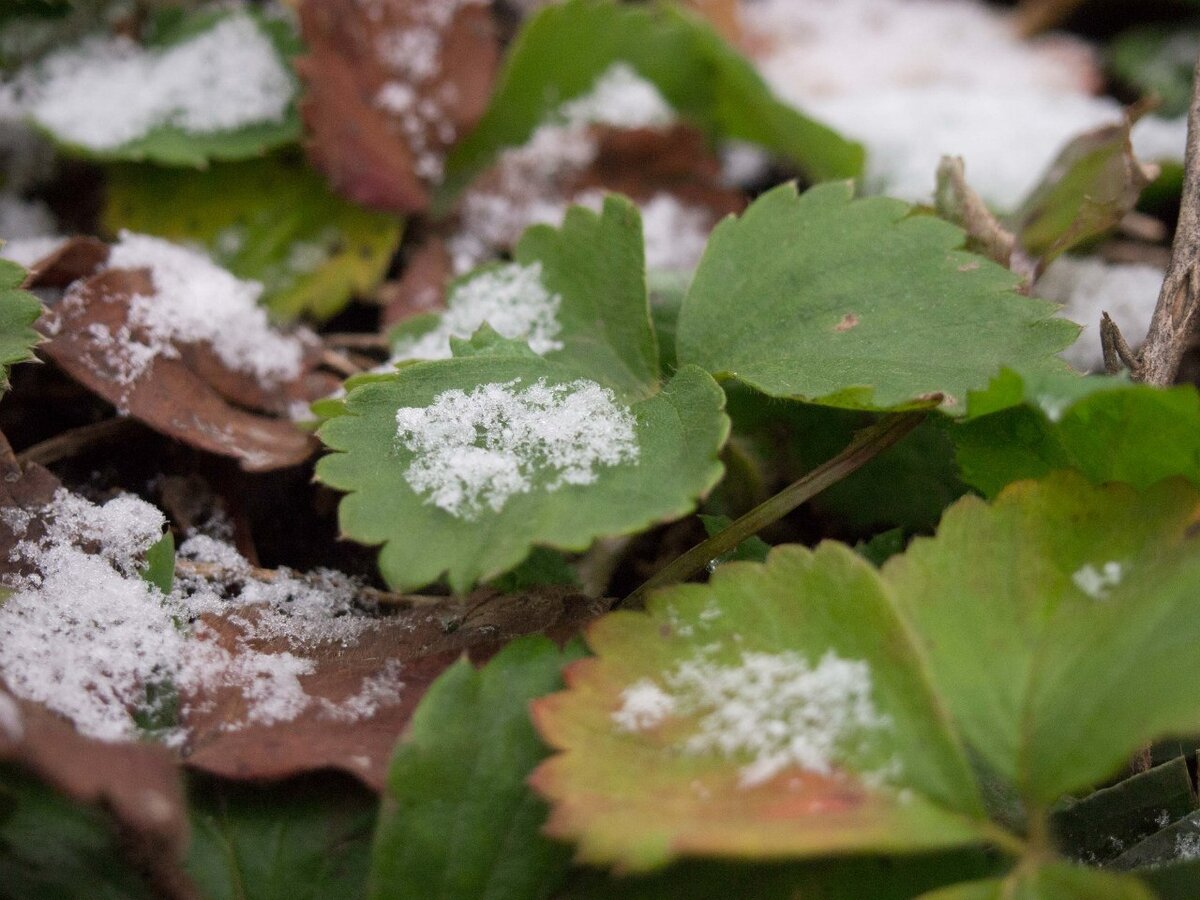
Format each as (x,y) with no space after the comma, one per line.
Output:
(866,446)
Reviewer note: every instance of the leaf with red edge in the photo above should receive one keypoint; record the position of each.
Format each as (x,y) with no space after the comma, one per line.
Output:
(389,87)
(779,711)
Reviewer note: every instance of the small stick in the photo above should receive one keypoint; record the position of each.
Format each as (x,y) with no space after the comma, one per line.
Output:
(865,447)
(73,441)
(1175,316)
(355,341)
(339,363)
(1117,352)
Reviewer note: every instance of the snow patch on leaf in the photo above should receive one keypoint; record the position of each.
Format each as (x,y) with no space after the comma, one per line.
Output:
(109,91)
(511,299)
(1097,582)
(772,711)
(475,450)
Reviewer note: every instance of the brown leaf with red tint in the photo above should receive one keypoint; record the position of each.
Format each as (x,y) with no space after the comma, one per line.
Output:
(389,87)
(421,288)
(168,396)
(401,657)
(76,258)
(138,784)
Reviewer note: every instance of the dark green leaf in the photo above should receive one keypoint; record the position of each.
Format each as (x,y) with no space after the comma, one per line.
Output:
(753,549)
(160,563)
(18,311)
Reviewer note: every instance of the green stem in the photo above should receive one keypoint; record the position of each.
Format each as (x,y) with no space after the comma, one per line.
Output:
(866,446)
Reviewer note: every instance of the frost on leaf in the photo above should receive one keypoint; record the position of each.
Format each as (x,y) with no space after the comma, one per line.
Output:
(113,97)
(390,85)
(174,340)
(474,450)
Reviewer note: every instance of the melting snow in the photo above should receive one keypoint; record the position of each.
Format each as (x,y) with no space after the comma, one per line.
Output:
(511,299)
(109,91)
(1097,583)
(773,709)
(85,635)
(1087,287)
(474,451)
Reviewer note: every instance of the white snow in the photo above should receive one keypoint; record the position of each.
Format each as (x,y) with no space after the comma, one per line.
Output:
(770,711)
(474,451)
(675,233)
(1088,286)
(194,301)
(85,635)
(1098,582)
(918,79)
(109,91)
(510,298)
(619,97)
(1160,140)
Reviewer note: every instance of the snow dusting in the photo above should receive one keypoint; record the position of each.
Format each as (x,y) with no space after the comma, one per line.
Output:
(473,451)
(110,91)
(86,636)
(770,711)
(510,298)
(194,301)
(1097,583)
(1087,287)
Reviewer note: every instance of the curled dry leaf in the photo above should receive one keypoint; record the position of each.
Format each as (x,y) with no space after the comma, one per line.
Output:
(192,396)
(391,665)
(389,88)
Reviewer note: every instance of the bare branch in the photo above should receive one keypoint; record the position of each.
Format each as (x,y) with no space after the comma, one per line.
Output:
(1175,316)
(1117,352)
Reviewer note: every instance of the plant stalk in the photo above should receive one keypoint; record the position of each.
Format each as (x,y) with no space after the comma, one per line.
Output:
(866,446)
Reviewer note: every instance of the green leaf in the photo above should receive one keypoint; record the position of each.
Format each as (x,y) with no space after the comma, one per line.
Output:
(1103,824)
(594,266)
(883,546)
(458,821)
(1049,881)
(54,849)
(1109,429)
(1178,841)
(858,304)
(1158,60)
(160,563)
(271,220)
(678,431)
(565,47)
(300,840)
(1088,189)
(643,777)
(173,146)
(18,311)
(1056,622)
(753,549)
(541,567)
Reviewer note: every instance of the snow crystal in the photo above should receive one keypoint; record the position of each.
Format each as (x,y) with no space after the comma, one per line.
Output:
(474,451)
(87,636)
(511,299)
(109,91)
(195,301)
(918,79)
(774,709)
(1097,583)
(1086,287)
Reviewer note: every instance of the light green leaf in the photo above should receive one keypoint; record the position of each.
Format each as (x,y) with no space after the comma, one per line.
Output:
(1109,429)
(1056,622)
(1049,881)
(271,220)
(291,841)
(18,311)
(814,638)
(859,304)
(458,821)
(172,145)
(678,432)
(565,47)
(160,563)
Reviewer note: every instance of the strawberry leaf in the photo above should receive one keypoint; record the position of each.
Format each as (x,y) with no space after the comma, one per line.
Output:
(1052,881)
(676,742)
(458,820)
(18,311)
(270,220)
(564,48)
(859,304)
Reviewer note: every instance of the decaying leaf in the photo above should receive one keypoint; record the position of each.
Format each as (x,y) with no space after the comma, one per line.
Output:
(389,89)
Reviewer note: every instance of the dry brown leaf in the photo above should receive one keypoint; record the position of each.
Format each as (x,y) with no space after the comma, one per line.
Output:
(421,287)
(389,88)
